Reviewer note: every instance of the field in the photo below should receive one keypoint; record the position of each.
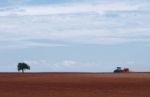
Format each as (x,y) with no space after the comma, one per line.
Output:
(74,85)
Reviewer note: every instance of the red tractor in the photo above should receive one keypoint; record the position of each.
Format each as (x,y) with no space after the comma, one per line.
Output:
(121,70)
(126,70)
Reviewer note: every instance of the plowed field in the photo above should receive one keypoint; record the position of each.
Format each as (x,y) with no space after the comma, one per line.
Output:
(74,85)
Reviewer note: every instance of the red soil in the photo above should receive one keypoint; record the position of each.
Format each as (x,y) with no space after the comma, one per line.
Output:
(74,85)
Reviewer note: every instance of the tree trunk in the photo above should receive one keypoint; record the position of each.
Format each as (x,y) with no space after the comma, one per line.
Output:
(22,70)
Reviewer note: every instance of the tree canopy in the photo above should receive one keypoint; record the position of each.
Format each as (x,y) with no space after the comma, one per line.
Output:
(23,66)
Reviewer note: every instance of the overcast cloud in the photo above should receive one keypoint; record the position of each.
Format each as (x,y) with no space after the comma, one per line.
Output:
(86,22)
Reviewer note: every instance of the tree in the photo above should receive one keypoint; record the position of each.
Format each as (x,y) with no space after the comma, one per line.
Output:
(23,66)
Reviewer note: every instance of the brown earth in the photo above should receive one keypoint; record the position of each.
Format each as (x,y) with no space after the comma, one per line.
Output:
(74,85)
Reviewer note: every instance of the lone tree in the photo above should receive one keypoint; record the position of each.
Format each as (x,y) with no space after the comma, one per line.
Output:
(23,66)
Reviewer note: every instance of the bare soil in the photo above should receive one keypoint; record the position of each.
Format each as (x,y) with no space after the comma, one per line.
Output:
(74,85)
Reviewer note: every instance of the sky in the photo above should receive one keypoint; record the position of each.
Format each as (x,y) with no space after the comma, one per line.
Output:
(75,35)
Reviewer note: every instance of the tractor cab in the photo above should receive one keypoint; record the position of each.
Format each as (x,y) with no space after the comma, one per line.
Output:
(118,69)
